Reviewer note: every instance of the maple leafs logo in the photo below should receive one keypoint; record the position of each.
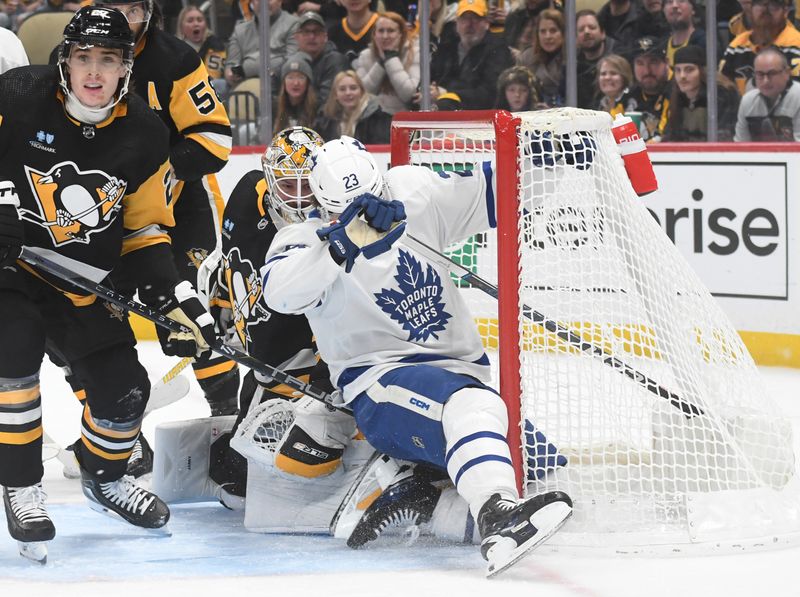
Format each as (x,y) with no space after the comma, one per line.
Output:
(417,305)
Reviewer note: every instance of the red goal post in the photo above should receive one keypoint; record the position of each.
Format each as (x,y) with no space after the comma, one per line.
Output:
(506,148)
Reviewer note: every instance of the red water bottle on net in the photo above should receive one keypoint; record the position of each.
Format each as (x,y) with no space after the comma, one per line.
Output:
(634,154)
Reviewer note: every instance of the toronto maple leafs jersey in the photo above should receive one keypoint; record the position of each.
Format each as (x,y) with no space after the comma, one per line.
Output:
(88,193)
(397,307)
(248,228)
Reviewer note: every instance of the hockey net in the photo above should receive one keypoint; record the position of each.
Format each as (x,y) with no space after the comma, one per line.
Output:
(604,338)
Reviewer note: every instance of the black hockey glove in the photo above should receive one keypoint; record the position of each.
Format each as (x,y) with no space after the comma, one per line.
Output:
(12,230)
(185,307)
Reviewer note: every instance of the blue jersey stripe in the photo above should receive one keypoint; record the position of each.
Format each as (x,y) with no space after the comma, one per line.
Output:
(479,460)
(473,437)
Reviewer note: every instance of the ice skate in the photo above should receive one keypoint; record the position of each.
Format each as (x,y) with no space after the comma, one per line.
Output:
(123,498)
(512,529)
(141,461)
(28,521)
(403,506)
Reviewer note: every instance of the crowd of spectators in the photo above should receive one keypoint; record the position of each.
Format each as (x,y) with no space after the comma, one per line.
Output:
(345,66)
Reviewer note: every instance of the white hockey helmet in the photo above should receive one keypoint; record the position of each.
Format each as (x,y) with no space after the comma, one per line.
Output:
(286,165)
(341,170)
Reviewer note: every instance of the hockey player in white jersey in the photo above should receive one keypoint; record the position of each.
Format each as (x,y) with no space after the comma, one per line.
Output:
(399,340)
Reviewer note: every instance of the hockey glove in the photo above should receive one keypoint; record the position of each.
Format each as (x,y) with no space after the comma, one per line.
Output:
(12,230)
(185,307)
(380,213)
(351,236)
(579,149)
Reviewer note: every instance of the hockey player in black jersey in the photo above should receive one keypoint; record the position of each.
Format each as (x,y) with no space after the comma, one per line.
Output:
(84,172)
(170,76)
(261,203)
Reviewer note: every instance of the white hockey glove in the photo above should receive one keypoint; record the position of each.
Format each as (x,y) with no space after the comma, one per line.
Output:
(209,276)
(353,235)
(12,231)
(185,307)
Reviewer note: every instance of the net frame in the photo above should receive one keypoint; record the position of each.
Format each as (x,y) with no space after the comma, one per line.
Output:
(498,132)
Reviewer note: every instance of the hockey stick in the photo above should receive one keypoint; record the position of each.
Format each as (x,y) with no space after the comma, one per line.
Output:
(564,333)
(169,388)
(153,315)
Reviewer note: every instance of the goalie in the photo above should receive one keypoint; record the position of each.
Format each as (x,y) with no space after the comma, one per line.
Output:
(261,203)
(397,336)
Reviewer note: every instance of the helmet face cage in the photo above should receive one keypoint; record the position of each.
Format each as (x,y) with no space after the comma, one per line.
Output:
(102,27)
(342,170)
(287,165)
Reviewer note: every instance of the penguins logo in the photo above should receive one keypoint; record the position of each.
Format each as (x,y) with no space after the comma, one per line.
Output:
(244,285)
(73,204)
(294,153)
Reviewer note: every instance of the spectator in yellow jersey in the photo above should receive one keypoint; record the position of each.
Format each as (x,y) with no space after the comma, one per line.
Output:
(651,72)
(771,26)
(680,15)
(743,21)
(193,29)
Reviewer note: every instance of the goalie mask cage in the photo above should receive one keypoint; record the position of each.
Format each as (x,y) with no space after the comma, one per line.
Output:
(605,339)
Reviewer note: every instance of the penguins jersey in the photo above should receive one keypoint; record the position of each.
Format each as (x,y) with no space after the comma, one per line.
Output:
(88,193)
(213,53)
(283,341)
(737,61)
(169,74)
(397,307)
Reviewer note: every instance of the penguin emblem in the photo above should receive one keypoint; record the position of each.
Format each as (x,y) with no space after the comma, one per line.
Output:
(72,203)
(244,285)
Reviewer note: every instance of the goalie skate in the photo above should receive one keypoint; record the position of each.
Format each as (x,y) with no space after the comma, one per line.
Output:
(511,530)
(28,521)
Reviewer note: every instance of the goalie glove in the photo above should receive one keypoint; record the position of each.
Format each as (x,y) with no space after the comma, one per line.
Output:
(352,235)
(185,307)
(12,230)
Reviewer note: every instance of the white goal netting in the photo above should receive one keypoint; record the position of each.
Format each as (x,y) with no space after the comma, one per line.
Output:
(626,363)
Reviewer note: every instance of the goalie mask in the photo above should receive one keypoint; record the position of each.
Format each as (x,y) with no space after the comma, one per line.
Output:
(287,165)
(341,170)
(97,27)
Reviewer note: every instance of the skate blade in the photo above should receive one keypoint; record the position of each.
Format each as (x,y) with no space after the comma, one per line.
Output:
(157,532)
(548,520)
(35,551)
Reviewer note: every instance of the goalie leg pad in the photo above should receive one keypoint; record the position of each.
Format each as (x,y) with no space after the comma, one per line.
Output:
(183,457)
(314,445)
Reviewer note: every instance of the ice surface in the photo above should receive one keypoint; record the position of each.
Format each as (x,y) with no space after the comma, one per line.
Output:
(210,553)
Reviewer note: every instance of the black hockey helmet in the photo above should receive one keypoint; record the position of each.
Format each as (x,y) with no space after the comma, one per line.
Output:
(150,9)
(99,26)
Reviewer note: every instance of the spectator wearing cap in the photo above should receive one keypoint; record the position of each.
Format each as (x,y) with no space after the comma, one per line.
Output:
(680,16)
(464,72)
(325,60)
(614,78)
(688,118)
(651,92)
(771,112)
(742,21)
(516,91)
(546,58)
(389,66)
(297,103)
(351,110)
(243,59)
(620,19)
(771,26)
(352,33)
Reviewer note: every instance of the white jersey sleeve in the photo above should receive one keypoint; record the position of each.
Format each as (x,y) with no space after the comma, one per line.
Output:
(397,308)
